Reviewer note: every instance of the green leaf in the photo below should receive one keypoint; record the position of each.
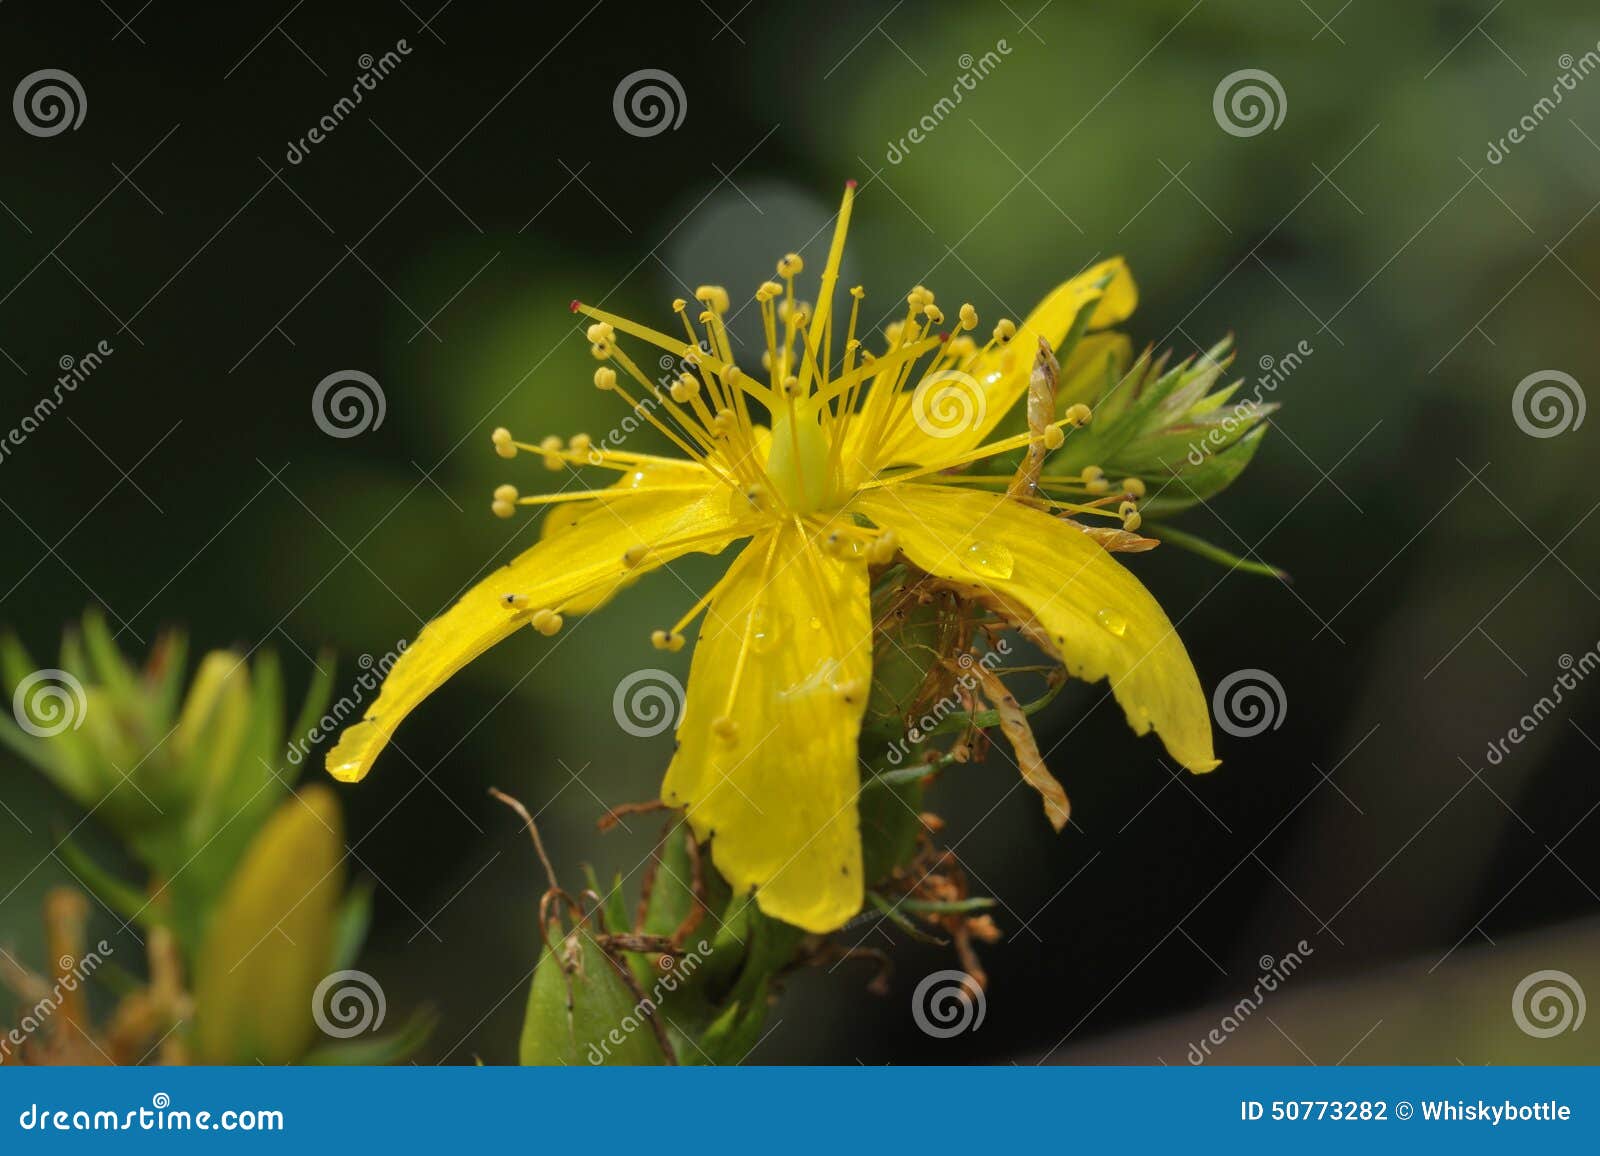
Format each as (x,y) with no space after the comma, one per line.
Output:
(1205,549)
(582,1010)
(380,1050)
(350,926)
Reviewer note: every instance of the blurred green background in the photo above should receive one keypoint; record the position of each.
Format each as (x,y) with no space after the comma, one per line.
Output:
(1443,560)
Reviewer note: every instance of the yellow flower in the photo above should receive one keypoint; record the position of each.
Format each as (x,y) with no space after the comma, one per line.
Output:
(853,472)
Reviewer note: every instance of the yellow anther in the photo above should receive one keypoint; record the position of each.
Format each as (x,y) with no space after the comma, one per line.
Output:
(546,622)
(663,640)
(506,493)
(961,347)
(684,387)
(1091,474)
(791,265)
(679,305)
(893,331)
(1098,486)
(605,378)
(1005,331)
(732,374)
(634,555)
(515,601)
(502,443)
(1078,414)
(756,496)
(969,317)
(933,313)
(713,295)
(601,351)
(1053,437)
(791,386)
(502,509)
(1132,522)
(1127,510)
(724,422)
(600,333)
(580,443)
(1134,486)
(858,292)
(883,548)
(768,290)
(724,727)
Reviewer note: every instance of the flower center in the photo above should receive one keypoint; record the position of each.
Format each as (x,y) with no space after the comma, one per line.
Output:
(799,465)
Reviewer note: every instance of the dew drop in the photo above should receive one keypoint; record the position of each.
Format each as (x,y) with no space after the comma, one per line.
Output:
(766,629)
(990,559)
(1113,622)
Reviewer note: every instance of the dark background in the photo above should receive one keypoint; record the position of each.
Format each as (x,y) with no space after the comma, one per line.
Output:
(1443,560)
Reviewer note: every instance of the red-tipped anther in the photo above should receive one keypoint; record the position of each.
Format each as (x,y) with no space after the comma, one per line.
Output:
(850,184)
(576,305)
(944,337)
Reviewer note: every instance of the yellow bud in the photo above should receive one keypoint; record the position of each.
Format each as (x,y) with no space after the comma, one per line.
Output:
(270,939)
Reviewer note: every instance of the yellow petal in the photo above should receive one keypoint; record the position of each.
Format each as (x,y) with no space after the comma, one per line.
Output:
(571,571)
(778,802)
(1074,597)
(998,379)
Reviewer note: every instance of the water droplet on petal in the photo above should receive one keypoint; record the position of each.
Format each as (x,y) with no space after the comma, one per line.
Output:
(990,559)
(1113,622)
(816,623)
(766,628)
